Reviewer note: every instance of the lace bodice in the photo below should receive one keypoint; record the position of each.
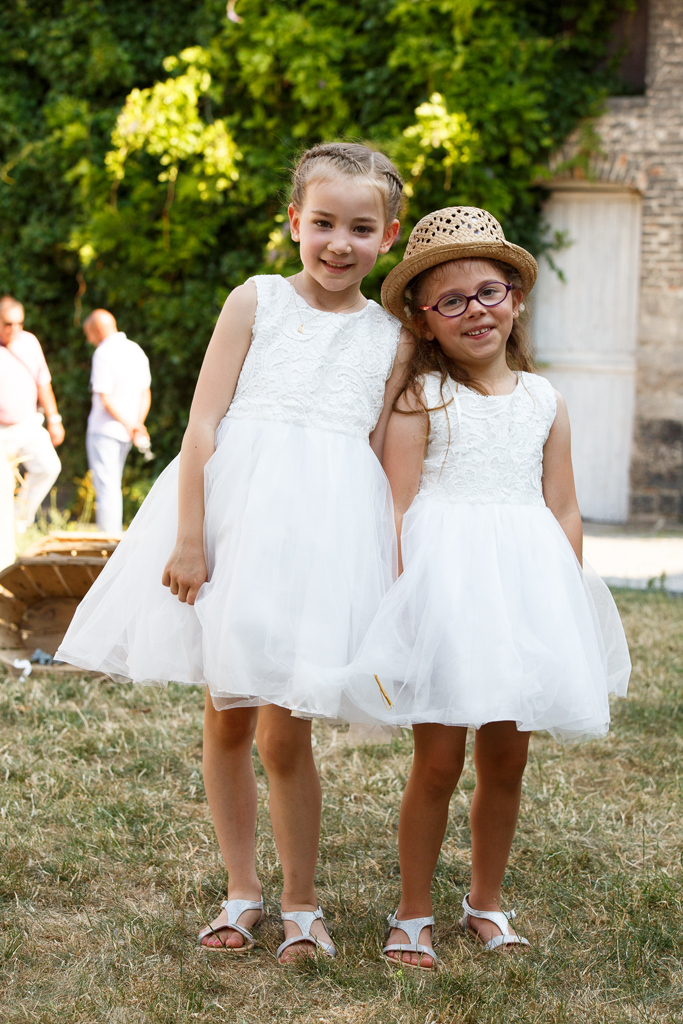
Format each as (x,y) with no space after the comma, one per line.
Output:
(332,376)
(485,450)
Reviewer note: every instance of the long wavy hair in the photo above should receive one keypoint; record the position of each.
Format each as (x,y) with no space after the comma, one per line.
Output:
(429,357)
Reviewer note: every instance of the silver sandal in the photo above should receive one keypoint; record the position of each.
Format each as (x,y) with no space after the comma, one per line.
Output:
(234,909)
(498,917)
(303,919)
(412,928)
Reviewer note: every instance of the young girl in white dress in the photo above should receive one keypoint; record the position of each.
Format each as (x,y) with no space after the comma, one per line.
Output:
(272,534)
(493,624)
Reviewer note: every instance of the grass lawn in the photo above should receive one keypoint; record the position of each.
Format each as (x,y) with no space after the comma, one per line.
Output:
(109,867)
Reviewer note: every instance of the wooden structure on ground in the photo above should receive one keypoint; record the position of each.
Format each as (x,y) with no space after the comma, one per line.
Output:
(40,592)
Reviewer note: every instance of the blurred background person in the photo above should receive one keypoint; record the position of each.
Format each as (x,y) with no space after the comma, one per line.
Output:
(25,385)
(120,384)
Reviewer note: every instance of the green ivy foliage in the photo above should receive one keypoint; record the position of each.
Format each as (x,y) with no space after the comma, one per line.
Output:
(105,199)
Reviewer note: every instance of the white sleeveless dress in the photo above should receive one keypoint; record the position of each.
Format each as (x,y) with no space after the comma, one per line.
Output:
(493,618)
(298,528)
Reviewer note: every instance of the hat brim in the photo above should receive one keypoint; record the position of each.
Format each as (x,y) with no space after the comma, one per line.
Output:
(396,282)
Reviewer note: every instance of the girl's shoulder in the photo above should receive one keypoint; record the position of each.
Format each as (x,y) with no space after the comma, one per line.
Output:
(275,300)
(435,391)
(269,284)
(538,387)
(383,315)
(534,380)
(383,327)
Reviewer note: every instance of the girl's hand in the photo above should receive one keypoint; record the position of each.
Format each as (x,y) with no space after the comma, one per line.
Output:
(185,572)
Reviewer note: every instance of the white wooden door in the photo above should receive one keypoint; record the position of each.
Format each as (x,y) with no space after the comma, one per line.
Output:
(585,334)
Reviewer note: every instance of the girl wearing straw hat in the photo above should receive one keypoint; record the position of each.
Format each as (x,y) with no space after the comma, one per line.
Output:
(493,624)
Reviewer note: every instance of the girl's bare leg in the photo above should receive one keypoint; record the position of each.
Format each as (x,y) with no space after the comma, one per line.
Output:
(284,745)
(500,755)
(437,764)
(230,785)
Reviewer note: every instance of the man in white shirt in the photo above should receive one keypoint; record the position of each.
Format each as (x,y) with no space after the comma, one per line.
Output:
(120,384)
(25,385)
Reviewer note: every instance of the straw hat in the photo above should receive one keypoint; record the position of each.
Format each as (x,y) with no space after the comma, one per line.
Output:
(456,233)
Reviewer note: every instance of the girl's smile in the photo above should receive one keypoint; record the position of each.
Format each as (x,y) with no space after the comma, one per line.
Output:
(335,267)
(478,337)
(341,230)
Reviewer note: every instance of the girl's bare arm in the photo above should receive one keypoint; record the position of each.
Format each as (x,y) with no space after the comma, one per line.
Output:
(392,390)
(186,568)
(558,479)
(404,447)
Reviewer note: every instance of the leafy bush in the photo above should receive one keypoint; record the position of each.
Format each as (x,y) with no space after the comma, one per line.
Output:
(144,148)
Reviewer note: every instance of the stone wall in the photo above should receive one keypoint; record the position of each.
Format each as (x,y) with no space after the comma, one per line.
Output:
(642,142)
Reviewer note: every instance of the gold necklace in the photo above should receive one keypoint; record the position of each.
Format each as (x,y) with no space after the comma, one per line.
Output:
(301,326)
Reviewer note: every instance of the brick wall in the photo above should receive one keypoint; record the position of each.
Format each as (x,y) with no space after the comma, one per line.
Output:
(642,139)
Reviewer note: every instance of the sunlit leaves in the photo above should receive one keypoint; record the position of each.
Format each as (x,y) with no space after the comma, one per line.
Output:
(436,130)
(120,162)
(165,122)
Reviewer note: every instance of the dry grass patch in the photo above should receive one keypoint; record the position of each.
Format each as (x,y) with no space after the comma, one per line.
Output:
(108,868)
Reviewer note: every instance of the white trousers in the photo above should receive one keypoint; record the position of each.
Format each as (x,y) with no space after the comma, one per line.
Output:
(106,459)
(7,551)
(29,444)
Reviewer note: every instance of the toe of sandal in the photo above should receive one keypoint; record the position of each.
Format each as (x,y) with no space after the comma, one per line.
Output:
(303,919)
(234,910)
(412,927)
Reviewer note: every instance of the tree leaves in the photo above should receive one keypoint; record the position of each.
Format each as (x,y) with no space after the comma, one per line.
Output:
(144,148)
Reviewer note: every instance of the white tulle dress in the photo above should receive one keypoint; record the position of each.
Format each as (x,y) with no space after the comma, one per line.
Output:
(493,618)
(298,529)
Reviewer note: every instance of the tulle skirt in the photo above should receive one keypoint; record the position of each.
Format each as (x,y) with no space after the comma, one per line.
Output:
(299,544)
(493,619)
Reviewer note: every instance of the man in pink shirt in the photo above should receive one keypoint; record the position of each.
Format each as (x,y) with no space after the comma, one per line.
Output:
(25,384)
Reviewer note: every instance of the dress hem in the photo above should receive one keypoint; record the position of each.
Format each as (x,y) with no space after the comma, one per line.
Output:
(230,701)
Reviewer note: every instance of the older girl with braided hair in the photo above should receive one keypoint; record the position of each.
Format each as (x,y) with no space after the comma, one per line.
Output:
(261,554)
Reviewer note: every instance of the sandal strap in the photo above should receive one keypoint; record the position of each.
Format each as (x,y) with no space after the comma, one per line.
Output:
(221,927)
(303,919)
(327,947)
(506,940)
(234,910)
(500,918)
(412,927)
(413,947)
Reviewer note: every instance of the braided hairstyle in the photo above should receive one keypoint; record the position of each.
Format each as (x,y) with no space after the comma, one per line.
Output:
(332,158)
